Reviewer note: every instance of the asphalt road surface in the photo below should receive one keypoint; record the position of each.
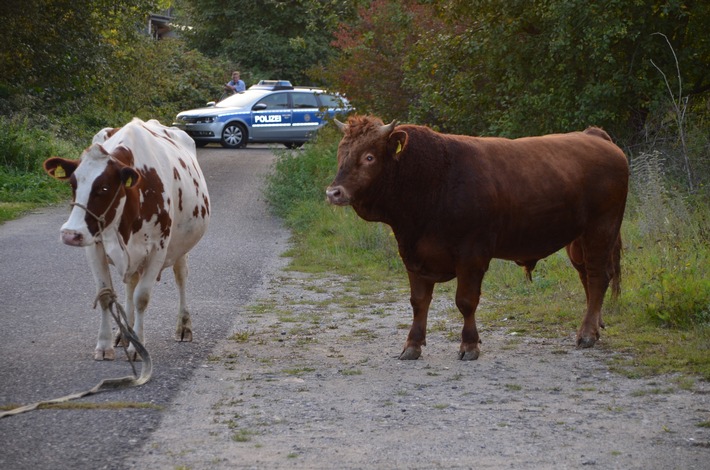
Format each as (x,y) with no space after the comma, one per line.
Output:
(49,328)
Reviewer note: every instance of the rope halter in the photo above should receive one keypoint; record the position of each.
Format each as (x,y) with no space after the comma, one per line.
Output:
(100,220)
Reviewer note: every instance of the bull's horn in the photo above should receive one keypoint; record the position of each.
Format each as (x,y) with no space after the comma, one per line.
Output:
(340,125)
(387,129)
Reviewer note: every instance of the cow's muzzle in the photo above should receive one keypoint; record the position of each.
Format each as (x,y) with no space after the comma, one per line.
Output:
(72,238)
(337,196)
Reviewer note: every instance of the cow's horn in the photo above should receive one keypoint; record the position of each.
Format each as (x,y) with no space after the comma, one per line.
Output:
(340,125)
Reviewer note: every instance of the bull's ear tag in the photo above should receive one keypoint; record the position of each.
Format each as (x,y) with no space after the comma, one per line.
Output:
(59,172)
(399,146)
(129,181)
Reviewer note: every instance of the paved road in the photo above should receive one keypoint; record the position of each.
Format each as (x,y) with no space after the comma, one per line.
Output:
(49,329)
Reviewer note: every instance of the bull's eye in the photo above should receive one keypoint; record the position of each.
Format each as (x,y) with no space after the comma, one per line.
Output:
(370,158)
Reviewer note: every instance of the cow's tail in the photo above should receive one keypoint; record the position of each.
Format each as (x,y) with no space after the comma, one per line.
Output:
(616,268)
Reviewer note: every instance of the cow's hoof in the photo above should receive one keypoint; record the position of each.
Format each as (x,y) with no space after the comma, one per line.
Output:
(183,334)
(104,355)
(119,340)
(584,342)
(469,355)
(133,356)
(410,354)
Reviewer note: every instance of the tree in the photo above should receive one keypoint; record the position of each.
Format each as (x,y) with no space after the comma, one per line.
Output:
(265,39)
(524,67)
(60,50)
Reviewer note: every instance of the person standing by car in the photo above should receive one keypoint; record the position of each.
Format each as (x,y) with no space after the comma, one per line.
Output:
(235,85)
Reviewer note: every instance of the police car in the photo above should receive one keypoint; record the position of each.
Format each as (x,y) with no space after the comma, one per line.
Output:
(273,111)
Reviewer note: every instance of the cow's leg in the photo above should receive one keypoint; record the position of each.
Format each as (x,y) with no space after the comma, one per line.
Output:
(184,324)
(130,309)
(99,267)
(468,294)
(141,298)
(421,293)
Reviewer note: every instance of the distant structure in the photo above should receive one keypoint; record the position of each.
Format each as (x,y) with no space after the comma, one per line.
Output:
(161,26)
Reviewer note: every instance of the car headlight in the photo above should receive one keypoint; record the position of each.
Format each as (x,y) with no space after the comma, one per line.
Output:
(205,120)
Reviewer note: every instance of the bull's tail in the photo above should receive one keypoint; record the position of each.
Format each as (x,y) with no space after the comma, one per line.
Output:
(616,268)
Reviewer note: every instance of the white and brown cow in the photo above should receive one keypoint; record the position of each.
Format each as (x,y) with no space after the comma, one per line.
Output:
(140,202)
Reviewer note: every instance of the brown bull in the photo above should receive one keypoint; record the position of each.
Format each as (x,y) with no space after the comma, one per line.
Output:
(455,202)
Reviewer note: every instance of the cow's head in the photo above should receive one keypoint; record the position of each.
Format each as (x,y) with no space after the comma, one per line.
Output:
(99,183)
(366,154)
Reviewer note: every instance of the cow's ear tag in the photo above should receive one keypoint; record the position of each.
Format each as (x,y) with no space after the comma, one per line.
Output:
(59,172)
(399,147)
(129,181)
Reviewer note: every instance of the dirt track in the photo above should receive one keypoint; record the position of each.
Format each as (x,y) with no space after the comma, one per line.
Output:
(308,381)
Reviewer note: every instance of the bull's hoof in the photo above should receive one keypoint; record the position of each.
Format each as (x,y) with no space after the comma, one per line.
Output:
(410,354)
(104,355)
(584,342)
(183,334)
(469,355)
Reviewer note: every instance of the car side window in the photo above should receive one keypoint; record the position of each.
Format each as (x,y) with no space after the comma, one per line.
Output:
(275,101)
(330,101)
(304,100)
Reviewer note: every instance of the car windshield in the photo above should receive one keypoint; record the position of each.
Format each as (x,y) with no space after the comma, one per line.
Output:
(238,100)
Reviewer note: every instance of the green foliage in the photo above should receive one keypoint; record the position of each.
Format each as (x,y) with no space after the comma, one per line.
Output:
(23,182)
(77,67)
(532,67)
(667,237)
(269,39)
(58,49)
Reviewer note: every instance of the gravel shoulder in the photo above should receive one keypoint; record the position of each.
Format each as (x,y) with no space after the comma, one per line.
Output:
(308,380)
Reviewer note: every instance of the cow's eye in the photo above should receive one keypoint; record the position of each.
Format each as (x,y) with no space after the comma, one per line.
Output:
(104,189)
(370,158)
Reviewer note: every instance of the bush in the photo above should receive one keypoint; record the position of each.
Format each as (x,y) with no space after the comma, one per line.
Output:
(23,149)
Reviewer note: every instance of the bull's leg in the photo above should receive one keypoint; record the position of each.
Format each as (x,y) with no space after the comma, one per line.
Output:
(99,267)
(468,294)
(594,272)
(576,256)
(184,324)
(421,293)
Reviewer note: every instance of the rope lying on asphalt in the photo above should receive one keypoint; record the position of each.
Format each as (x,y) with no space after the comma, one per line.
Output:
(107,297)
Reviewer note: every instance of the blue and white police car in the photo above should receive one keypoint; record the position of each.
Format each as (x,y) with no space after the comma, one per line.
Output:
(273,111)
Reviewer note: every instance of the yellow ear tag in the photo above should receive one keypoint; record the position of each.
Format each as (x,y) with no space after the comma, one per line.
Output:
(59,172)
(399,147)
(129,181)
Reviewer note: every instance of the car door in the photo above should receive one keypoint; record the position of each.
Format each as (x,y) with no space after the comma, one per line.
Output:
(306,116)
(271,118)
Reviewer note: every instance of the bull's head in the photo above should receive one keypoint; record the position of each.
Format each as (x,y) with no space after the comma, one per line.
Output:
(98,184)
(365,153)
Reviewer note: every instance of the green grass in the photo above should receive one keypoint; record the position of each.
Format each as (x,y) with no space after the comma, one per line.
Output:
(661,322)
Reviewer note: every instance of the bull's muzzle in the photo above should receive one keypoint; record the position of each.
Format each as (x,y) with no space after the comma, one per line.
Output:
(336,195)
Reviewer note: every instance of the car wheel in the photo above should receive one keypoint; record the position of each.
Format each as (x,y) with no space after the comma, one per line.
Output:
(234,136)
(293,145)
(200,143)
